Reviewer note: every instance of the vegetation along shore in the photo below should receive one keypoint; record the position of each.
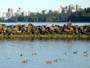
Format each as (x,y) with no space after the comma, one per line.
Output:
(65,14)
(31,31)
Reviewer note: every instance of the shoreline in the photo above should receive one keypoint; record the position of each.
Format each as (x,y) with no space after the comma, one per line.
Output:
(30,31)
(46,37)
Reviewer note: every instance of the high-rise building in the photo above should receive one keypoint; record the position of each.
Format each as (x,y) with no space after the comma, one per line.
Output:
(9,13)
(78,8)
(18,12)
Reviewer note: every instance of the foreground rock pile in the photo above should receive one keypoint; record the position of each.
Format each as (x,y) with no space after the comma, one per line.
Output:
(44,29)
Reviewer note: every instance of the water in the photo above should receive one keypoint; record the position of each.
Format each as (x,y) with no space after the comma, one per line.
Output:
(47,23)
(44,54)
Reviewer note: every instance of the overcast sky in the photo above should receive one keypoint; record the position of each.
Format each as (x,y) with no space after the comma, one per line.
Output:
(38,5)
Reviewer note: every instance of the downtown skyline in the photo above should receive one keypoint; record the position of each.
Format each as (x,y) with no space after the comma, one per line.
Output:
(39,5)
(10,12)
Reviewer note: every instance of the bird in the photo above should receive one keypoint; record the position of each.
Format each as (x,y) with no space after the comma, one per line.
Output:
(75,52)
(21,55)
(24,61)
(48,62)
(85,53)
(55,60)
(33,54)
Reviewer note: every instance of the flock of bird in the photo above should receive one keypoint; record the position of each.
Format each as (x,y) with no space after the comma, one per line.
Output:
(85,53)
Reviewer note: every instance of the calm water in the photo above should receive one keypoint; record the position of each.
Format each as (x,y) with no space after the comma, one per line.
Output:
(44,54)
(47,23)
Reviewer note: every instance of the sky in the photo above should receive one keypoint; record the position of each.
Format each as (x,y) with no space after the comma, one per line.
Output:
(38,5)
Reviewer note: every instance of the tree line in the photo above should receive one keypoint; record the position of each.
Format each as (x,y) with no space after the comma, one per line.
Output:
(82,15)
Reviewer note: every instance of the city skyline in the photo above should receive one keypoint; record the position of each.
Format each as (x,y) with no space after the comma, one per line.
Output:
(19,12)
(37,6)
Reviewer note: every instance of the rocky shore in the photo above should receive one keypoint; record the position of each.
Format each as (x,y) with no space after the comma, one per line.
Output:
(30,31)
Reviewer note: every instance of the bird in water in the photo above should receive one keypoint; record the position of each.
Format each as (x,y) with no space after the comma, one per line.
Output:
(65,53)
(75,52)
(33,54)
(24,61)
(85,53)
(49,62)
(55,60)
(21,55)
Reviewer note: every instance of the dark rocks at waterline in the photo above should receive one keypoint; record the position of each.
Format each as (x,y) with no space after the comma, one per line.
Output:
(44,32)
(44,29)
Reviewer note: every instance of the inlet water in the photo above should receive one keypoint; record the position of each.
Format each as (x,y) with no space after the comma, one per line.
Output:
(44,54)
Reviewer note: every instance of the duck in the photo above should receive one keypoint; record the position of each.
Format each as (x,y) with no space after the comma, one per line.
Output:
(33,54)
(85,53)
(21,55)
(24,61)
(49,62)
(75,52)
(55,60)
